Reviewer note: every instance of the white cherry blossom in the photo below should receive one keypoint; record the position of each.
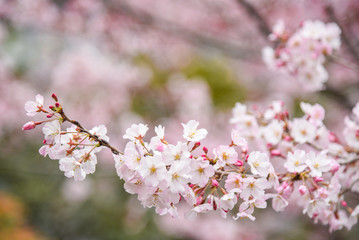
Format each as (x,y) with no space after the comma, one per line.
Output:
(303,131)
(318,163)
(190,132)
(259,163)
(135,132)
(33,107)
(296,161)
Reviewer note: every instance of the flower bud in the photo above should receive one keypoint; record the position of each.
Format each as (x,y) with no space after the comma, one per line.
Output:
(302,190)
(215,183)
(287,138)
(334,167)
(52,108)
(54,97)
(196,145)
(239,163)
(205,150)
(29,125)
(275,153)
(199,200)
(318,179)
(332,137)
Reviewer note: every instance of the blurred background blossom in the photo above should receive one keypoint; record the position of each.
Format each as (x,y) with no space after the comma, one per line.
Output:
(118,62)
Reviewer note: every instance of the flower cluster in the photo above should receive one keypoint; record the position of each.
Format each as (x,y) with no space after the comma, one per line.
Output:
(74,148)
(317,169)
(303,53)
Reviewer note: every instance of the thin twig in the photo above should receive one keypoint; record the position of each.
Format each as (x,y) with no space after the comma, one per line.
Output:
(93,136)
(347,40)
(340,97)
(230,49)
(262,23)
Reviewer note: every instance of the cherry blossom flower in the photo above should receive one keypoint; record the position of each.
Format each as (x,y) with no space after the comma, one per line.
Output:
(351,133)
(178,176)
(238,140)
(303,131)
(273,132)
(228,201)
(52,131)
(316,112)
(190,132)
(34,107)
(318,163)
(279,203)
(259,163)
(296,161)
(177,152)
(253,188)
(72,168)
(135,132)
(234,181)
(225,155)
(153,170)
(201,171)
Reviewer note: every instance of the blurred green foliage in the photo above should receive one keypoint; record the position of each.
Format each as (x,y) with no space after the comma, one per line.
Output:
(38,183)
(226,90)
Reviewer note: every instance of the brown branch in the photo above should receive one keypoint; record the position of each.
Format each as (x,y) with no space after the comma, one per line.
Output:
(93,136)
(230,49)
(347,40)
(338,96)
(264,29)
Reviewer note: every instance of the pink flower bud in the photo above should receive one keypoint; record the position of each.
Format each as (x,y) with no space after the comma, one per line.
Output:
(57,104)
(199,200)
(334,166)
(302,190)
(332,137)
(318,179)
(323,193)
(239,163)
(29,125)
(286,114)
(269,146)
(205,150)
(275,153)
(287,192)
(50,115)
(214,205)
(287,138)
(196,145)
(344,203)
(54,97)
(215,183)
(160,147)
(280,189)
